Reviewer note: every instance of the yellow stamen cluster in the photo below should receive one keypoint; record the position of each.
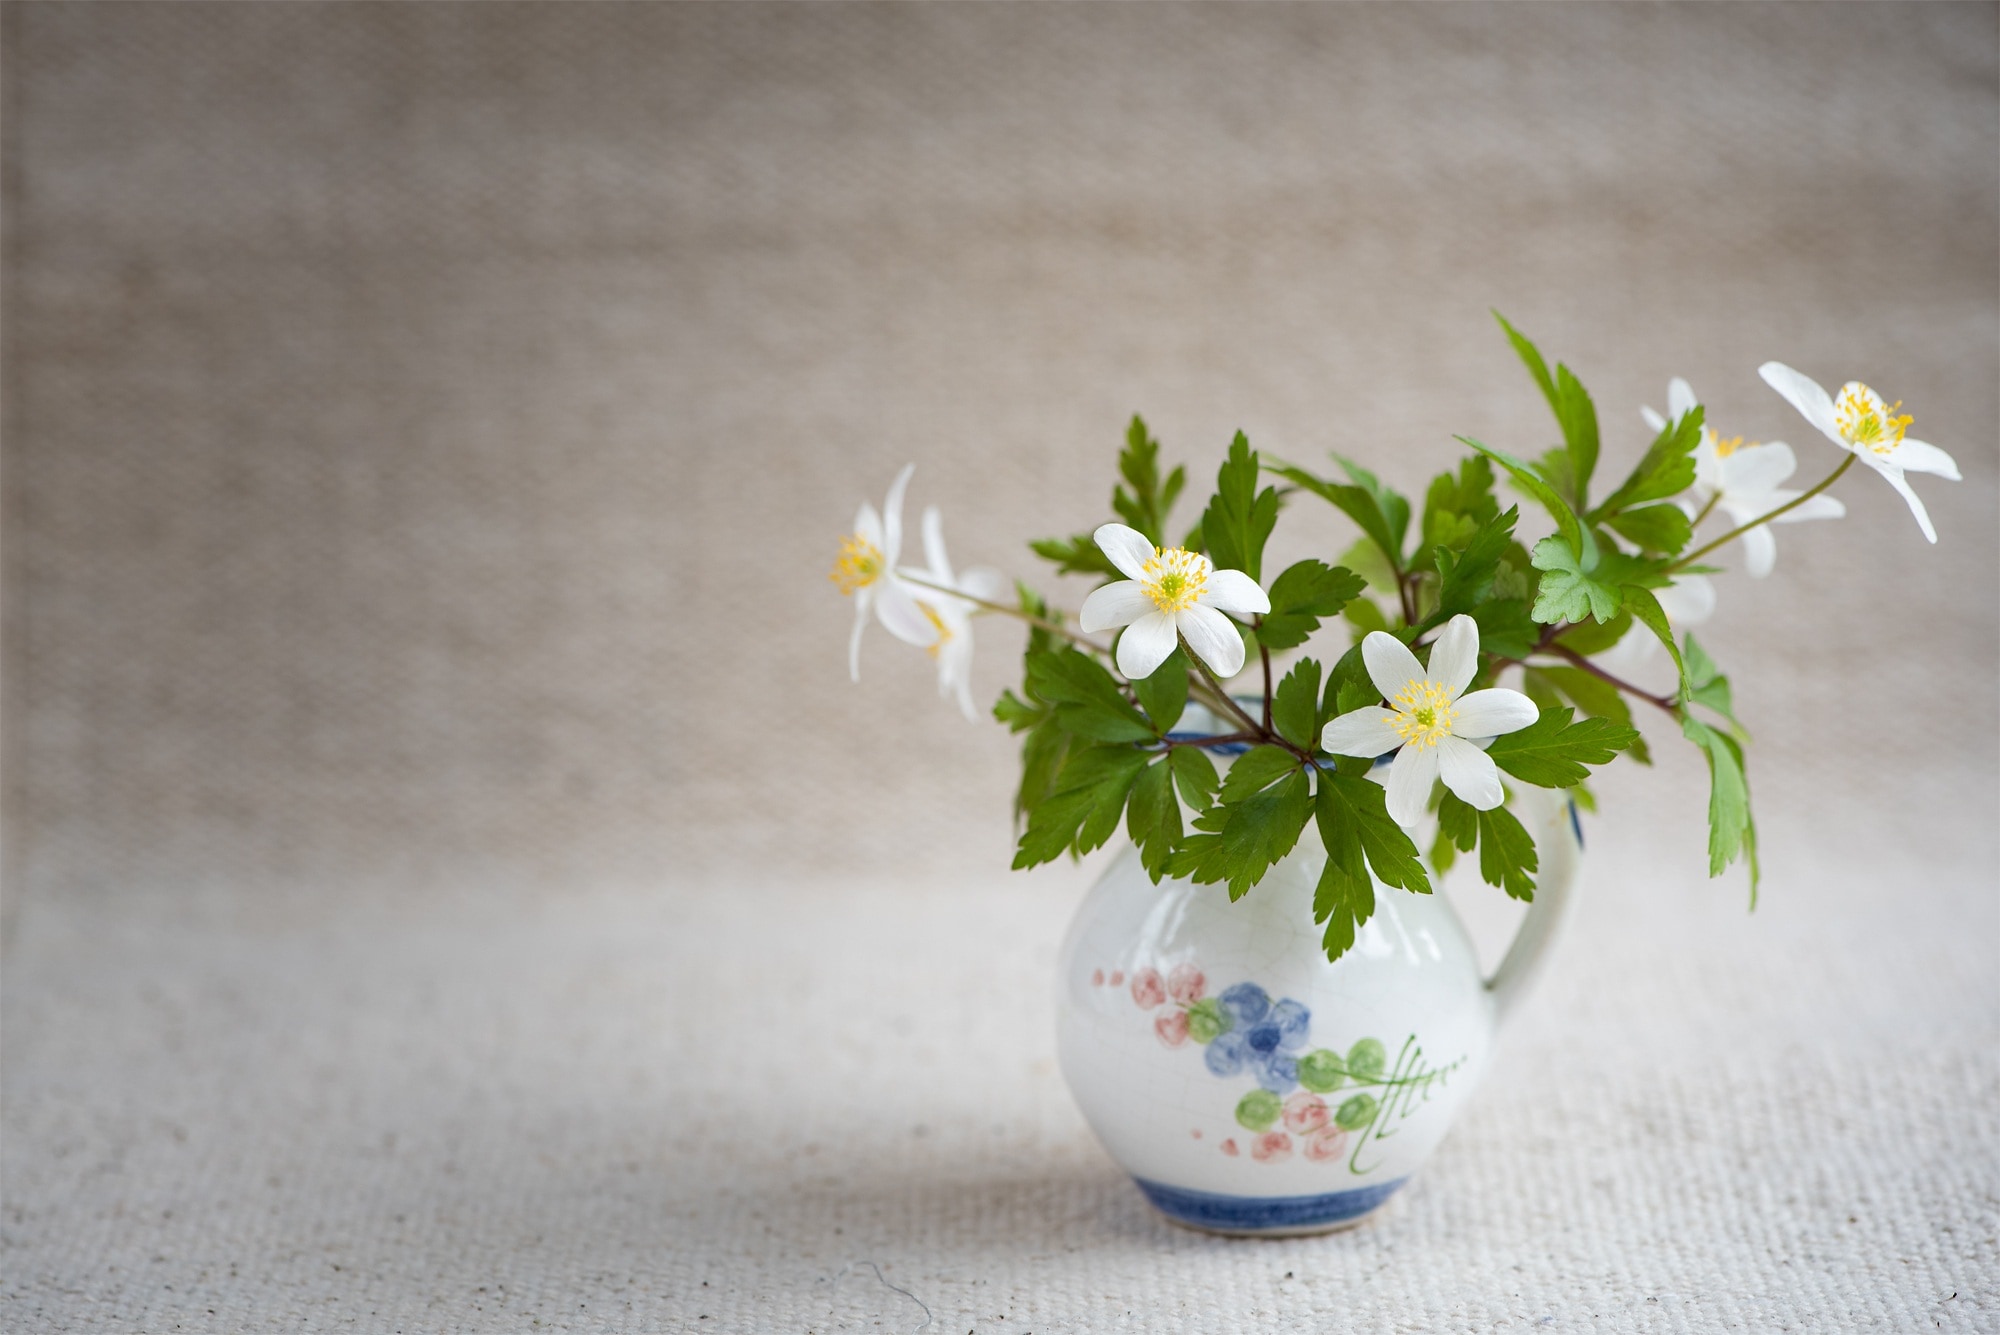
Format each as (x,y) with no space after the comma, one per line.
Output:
(1174,578)
(1864,420)
(1725,448)
(1423,714)
(860,564)
(936,646)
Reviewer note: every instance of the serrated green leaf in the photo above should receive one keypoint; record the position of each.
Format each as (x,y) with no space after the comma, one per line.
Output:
(1594,696)
(1242,840)
(1655,528)
(1164,694)
(1357,503)
(1145,506)
(1666,469)
(1300,596)
(1578,418)
(1552,752)
(1707,686)
(1531,482)
(1458,822)
(1153,818)
(1594,637)
(1505,628)
(1507,855)
(1365,616)
(1086,696)
(1077,554)
(1239,518)
(1352,808)
(1194,775)
(1257,768)
(1646,610)
(1043,751)
(1083,810)
(1465,578)
(1531,357)
(1017,713)
(1568,592)
(1731,831)
(1295,705)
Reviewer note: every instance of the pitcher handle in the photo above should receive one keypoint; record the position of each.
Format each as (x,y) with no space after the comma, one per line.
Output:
(1550,817)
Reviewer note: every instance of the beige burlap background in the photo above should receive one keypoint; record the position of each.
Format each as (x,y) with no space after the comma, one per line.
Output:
(452,883)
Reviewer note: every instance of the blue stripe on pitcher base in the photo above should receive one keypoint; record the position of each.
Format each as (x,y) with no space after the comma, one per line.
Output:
(1208,1209)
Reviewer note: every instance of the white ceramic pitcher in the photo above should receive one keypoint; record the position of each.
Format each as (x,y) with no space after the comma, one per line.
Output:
(1251,1087)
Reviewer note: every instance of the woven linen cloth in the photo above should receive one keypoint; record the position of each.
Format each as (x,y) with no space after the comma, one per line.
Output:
(451,883)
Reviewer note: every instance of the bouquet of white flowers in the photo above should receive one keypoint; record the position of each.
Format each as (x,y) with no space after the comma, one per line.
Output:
(1438,620)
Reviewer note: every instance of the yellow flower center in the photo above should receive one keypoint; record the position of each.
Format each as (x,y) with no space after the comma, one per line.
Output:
(1423,714)
(1725,448)
(860,564)
(936,646)
(1174,578)
(1867,422)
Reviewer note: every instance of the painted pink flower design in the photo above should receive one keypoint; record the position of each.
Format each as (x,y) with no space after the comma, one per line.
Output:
(1147,989)
(1172,1028)
(1329,1142)
(1305,1112)
(1186,984)
(1229,1147)
(1271,1145)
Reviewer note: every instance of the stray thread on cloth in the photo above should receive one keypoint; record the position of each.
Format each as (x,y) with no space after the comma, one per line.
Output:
(841,1273)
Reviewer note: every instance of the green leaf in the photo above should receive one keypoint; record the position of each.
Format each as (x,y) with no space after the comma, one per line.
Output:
(1242,840)
(1594,637)
(1145,506)
(1077,554)
(1300,596)
(1153,818)
(1017,713)
(1353,807)
(1568,592)
(1666,469)
(1578,417)
(1646,610)
(1552,752)
(1456,504)
(1239,518)
(1707,686)
(1043,751)
(1531,357)
(1087,699)
(1357,503)
(1465,578)
(1731,831)
(1256,769)
(1083,810)
(1164,694)
(1655,528)
(1529,481)
(1194,775)
(1505,628)
(1458,822)
(1364,616)
(1507,855)
(1295,705)
(1594,696)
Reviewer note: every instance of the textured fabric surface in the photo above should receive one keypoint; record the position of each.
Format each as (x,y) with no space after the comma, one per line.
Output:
(451,882)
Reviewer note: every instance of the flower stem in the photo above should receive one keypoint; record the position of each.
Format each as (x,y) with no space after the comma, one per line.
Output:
(1741,529)
(1706,510)
(1257,733)
(1043,623)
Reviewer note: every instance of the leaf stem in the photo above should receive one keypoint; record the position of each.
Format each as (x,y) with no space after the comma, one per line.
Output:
(1260,734)
(1741,529)
(1661,701)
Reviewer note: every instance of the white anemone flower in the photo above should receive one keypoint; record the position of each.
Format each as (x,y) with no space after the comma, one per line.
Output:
(1742,481)
(1859,421)
(866,568)
(951,617)
(1173,594)
(1441,731)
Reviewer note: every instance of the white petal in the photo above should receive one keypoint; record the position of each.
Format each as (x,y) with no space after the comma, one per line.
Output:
(1895,476)
(1115,605)
(1817,507)
(1366,732)
(1653,420)
(1805,394)
(934,553)
(1128,548)
(1411,774)
(1470,773)
(1491,712)
(863,600)
(1688,601)
(1391,665)
(955,670)
(1916,456)
(1760,551)
(892,515)
(900,614)
(868,525)
(1680,398)
(1757,468)
(1214,638)
(1234,591)
(1455,656)
(983,582)
(1146,644)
